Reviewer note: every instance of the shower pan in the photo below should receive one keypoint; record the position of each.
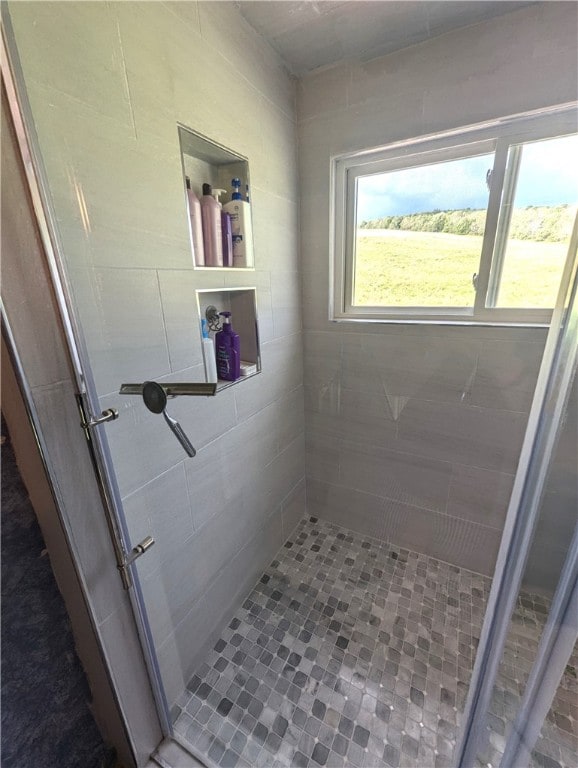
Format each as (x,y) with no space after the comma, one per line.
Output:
(274,637)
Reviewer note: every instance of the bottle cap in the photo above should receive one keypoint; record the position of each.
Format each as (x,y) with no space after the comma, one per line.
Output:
(188,182)
(217,192)
(206,189)
(236,184)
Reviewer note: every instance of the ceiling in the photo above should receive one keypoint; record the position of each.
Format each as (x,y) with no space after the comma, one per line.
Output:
(317,33)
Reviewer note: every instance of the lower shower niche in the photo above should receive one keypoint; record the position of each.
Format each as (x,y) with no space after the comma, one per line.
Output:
(353,652)
(236,307)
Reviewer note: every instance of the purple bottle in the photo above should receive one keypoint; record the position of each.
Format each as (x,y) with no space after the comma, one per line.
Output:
(228,351)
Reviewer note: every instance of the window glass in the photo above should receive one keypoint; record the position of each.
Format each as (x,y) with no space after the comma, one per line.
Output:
(418,234)
(536,226)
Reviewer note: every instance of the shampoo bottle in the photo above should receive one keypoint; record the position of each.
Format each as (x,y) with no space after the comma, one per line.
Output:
(212,233)
(196,226)
(228,350)
(240,211)
(208,354)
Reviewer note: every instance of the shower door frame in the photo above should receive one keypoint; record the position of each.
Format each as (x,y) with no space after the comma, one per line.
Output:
(88,402)
(551,395)
(514,540)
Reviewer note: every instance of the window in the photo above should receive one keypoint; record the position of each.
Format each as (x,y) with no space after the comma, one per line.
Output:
(468,227)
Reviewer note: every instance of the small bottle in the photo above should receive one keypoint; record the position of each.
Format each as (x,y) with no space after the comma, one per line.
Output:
(212,232)
(240,211)
(196,225)
(208,354)
(226,227)
(228,350)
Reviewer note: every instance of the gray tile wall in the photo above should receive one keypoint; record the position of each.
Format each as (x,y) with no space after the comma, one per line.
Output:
(413,432)
(108,83)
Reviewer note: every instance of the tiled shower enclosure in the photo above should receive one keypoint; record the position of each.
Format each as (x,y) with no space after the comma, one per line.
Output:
(350,651)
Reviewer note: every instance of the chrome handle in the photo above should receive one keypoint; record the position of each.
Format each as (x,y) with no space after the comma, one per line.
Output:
(109,415)
(179,433)
(140,549)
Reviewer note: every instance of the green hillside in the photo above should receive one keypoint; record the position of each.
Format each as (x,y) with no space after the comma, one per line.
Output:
(551,224)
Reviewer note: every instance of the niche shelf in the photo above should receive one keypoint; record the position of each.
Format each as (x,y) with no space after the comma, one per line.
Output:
(242,304)
(205,161)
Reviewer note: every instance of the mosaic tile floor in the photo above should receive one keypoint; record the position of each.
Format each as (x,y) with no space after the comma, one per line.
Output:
(348,652)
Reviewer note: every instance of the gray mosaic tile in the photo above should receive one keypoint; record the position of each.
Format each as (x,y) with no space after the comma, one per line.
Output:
(352,652)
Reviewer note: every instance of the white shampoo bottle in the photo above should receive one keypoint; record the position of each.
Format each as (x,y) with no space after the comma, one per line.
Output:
(242,229)
(212,232)
(209,354)
(196,226)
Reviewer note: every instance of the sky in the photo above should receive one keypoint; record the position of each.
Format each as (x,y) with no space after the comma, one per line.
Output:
(548,176)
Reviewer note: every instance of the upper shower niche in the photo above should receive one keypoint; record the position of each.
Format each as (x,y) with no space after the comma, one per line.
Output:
(216,185)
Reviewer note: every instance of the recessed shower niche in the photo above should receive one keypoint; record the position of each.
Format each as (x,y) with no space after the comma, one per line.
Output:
(242,305)
(216,184)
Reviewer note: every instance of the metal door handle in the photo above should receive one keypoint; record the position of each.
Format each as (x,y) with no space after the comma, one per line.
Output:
(109,415)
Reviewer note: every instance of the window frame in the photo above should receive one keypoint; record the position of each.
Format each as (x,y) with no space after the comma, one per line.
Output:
(495,136)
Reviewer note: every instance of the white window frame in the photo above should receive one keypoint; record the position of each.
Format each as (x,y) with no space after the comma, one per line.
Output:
(495,136)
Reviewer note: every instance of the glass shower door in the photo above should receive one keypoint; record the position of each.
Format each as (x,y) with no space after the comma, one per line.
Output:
(526,666)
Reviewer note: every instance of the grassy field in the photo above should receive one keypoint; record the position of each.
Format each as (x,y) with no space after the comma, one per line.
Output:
(400,268)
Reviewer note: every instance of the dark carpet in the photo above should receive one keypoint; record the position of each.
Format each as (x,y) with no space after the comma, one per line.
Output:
(46,720)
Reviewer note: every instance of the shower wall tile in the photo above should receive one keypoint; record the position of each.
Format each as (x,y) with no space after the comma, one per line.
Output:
(93,52)
(293,508)
(236,41)
(455,397)
(360,511)
(322,454)
(134,342)
(344,415)
(399,476)
(290,417)
(160,509)
(185,643)
(426,367)
(479,437)
(261,280)
(234,581)
(285,471)
(216,476)
(282,372)
(479,495)
(438,535)
(97,169)
(177,288)
(330,97)
(506,375)
(467,544)
(181,645)
(285,295)
(278,225)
